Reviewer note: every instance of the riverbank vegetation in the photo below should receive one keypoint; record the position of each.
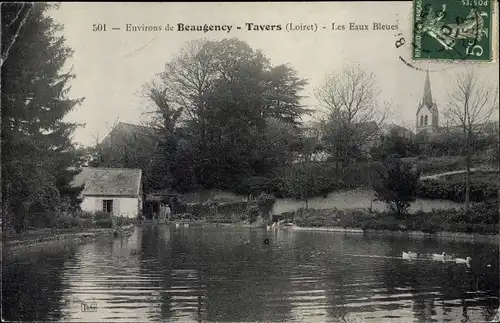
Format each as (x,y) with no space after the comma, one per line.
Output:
(71,223)
(257,209)
(483,186)
(482,219)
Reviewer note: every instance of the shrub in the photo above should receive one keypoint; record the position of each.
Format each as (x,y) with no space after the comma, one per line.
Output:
(455,190)
(482,218)
(397,186)
(286,216)
(85,215)
(42,219)
(65,222)
(123,221)
(253,213)
(104,223)
(254,185)
(98,215)
(382,223)
(87,223)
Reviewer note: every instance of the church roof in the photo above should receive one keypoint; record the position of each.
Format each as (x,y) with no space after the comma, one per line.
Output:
(427,98)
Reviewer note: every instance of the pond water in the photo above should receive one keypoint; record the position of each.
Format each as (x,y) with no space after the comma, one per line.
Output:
(163,273)
(358,198)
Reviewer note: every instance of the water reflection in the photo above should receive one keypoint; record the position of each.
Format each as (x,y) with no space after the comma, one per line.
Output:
(191,274)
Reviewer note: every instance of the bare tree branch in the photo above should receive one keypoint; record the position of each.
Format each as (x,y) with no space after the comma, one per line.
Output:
(5,53)
(471,105)
(350,100)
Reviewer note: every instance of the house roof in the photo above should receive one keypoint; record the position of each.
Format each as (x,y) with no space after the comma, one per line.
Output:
(123,132)
(109,181)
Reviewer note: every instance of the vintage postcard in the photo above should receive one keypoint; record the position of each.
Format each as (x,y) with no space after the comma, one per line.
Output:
(250,162)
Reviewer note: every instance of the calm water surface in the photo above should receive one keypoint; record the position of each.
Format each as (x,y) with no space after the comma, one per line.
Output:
(214,274)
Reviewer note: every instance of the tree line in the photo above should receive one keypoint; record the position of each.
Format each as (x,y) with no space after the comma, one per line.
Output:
(224,117)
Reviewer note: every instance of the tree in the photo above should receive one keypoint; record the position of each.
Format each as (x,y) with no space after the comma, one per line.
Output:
(281,95)
(397,186)
(278,142)
(187,79)
(350,98)
(309,147)
(226,93)
(14,16)
(38,154)
(394,143)
(471,104)
(165,118)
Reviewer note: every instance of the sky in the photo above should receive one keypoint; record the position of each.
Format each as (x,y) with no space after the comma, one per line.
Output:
(112,66)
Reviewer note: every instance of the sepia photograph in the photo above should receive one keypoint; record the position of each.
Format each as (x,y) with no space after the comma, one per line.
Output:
(250,161)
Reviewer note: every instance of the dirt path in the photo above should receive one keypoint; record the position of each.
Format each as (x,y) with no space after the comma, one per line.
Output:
(435,176)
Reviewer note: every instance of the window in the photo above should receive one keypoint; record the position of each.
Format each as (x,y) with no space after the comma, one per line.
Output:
(421,120)
(425,120)
(107,206)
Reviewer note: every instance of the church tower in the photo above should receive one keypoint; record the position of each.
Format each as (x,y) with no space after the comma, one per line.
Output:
(427,112)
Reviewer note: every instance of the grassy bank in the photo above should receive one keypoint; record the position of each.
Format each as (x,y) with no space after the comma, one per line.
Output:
(70,224)
(484,186)
(324,178)
(52,240)
(482,219)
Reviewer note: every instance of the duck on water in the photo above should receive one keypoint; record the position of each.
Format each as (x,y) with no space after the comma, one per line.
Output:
(463,261)
(245,241)
(438,256)
(409,255)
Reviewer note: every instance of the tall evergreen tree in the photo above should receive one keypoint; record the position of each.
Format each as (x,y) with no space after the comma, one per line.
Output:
(37,151)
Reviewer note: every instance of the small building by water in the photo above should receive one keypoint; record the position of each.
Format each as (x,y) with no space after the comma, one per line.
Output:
(117,191)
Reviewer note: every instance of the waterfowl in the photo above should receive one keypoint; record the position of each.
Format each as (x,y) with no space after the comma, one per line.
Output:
(438,256)
(409,254)
(463,261)
(268,228)
(186,225)
(177,225)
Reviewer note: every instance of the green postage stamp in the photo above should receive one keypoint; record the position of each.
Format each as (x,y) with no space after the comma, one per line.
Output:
(453,30)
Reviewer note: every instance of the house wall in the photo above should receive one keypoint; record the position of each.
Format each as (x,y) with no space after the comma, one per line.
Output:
(122,206)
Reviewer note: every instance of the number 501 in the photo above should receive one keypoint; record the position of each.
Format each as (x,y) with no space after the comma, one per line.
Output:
(99,27)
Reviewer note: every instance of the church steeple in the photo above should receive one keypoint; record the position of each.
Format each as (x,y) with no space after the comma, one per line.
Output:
(427,98)
(427,112)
